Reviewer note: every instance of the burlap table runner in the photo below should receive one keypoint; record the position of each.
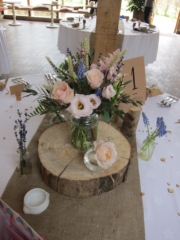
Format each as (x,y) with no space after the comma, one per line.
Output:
(114,215)
(119,41)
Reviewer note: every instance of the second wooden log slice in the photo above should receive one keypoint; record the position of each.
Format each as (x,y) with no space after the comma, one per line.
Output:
(62,166)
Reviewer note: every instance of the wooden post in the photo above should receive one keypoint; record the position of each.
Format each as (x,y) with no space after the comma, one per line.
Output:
(108,13)
(153,12)
(1,1)
(177,23)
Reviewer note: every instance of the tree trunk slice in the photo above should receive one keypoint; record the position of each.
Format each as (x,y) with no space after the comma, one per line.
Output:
(62,166)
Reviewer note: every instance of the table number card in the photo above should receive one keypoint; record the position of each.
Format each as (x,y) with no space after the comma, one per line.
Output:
(17,89)
(134,70)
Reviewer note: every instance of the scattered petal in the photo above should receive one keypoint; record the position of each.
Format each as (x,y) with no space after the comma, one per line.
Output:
(170,190)
(177,185)
(4,138)
(26,109)
(163,159)
(171,156)
(169,131)
(179,214)
(142,194)
(11,106)
(168,183)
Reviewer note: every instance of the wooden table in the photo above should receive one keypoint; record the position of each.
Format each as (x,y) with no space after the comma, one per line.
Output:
(52,25)
(14,23)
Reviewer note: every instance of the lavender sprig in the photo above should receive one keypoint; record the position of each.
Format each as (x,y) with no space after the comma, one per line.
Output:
(21,135)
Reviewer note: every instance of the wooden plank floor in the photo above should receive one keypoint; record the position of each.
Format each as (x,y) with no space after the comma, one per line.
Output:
(30,43)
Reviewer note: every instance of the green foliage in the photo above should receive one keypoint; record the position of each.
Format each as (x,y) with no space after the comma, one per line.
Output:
(136,5)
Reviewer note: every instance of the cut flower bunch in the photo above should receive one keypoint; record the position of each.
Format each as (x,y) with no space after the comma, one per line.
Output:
(85,90)
(149,143)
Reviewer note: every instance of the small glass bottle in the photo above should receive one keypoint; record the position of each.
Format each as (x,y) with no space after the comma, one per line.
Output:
(147,149)
(57,118)
(24,161)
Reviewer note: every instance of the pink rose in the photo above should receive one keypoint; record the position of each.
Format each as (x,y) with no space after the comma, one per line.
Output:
(83,53)
(62,92)
(95,78)
(95,100)
(94,66)
(105,154)
(81,106)
(108,92)
(112,71)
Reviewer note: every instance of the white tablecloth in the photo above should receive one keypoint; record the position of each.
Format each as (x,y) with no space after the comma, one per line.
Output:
(138,44)
(5,60)
(161,208)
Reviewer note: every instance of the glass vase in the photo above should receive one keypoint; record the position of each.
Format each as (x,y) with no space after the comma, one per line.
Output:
(84,131)
(24,164)
(147,149)
(57,118)
(91,162)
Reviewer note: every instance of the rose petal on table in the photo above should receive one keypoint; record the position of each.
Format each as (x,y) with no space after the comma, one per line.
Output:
(168,183)
(170,190)
(169,131)
(177,185)
(142,194)
(179,214)
(163,159)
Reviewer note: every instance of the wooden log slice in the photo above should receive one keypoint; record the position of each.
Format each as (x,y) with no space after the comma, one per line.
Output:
(62,166)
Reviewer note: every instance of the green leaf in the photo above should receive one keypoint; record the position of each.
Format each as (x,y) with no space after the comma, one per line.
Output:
(127,82)
(120,114)
(106,116)
(105,105)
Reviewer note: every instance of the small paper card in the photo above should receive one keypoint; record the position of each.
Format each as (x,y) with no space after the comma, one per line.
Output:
(134,70)
(16,88)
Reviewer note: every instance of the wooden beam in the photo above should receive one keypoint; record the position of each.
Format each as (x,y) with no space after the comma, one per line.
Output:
(108,13)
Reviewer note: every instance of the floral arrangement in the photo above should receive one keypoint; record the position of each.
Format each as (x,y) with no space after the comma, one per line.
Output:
(149,144)
(23,160)
(85,89)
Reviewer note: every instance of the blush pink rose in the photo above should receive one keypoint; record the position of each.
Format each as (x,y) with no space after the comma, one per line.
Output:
(105,154)
(94,66)
(95,78)
(95,100)
(62,92)
(81,106)
(108,92)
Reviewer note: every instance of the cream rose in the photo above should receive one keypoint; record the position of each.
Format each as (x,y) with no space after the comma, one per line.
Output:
(105,154)
(95,78)
(62,92)
(108,92)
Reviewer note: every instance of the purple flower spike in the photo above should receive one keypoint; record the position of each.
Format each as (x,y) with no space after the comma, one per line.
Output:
(145,119)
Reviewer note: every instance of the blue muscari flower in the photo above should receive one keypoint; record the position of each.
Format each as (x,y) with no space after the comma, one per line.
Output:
(99,92)
(145,119)
(159,121)
(80,70)
(161,130)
